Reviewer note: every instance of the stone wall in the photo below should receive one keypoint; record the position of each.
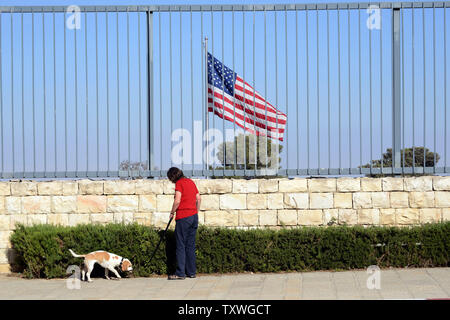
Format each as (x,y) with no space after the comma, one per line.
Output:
(236,203)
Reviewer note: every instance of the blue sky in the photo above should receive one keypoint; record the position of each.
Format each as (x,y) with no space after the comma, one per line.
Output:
(363,132)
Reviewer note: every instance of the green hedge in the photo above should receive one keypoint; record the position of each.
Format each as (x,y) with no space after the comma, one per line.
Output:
(43,250)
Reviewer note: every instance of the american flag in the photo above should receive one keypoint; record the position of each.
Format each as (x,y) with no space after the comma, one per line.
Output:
(226,100)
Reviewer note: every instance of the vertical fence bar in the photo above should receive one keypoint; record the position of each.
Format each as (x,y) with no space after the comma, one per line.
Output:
(107,89)
(87,89)
(349,96)
(23,102)
(118,88)
(424,90)
(434,87)
(160,91)
(192,93)
(76,102)
(339,86)
(317,89)
(359,95)
(181,85)
(32,95)
(381,94)
(12,95)
(296,90)
(54,92)
(265,81)
(396,93)
(445,90)
(44,94)
(287,95)
(1,98)
(223,98)
(307,89)
(128,93)
(150,93)
(328,88)
(370,98)
(96,86)
(65,97)
(403,88)
(141,167)
(413,95)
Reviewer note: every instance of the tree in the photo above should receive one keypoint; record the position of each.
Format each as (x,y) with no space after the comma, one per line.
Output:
(256,155)
(407,159)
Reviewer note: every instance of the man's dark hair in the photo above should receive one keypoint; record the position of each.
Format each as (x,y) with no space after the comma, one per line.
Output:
(174,174)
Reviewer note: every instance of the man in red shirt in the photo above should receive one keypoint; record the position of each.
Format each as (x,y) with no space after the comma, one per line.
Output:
(186,205)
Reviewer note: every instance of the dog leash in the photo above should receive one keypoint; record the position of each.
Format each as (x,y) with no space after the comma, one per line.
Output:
(160,240)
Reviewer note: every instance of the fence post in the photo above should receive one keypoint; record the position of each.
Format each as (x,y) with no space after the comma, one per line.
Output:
(150,90)
(396,93)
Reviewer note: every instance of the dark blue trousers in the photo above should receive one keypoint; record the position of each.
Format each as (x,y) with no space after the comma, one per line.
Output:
(185,231)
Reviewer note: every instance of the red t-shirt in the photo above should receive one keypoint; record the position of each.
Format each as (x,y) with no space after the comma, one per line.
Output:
(189,192)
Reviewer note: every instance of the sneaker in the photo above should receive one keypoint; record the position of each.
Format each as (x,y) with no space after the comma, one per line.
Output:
(191,276)
(175,277)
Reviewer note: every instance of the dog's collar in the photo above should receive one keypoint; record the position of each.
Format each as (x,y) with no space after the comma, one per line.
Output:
(120,265)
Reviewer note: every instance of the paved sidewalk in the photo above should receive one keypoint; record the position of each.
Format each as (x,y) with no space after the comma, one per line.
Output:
(395,284)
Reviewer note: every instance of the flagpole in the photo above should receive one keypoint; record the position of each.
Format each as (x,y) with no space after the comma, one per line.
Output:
(206,97)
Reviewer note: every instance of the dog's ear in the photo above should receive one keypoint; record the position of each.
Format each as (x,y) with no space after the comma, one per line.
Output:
(125,265)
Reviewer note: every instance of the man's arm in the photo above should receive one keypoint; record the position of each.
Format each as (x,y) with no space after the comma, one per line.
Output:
(176,203)
(198,201)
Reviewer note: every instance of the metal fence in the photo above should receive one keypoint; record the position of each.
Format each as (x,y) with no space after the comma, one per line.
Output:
(120,91)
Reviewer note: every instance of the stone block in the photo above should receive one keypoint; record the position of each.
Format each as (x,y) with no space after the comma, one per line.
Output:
(91,204)
(24,188)
(430,215)
(442,199)
(371,184)
(256,201)
(268,185)
(38,218)
(392,184)
(275,201)
(310,217)
(233,201)
(209,186)
(147,202)
(380,199)
(224,218)
(296,200)
(348,184)
(64,204)
(441,183)
(421,199)
(268,217)
(87,186)
(77,219)
(321,200)
(399,199)
(287,217)
(418,184)
(147,186)
(293,185)
(245,186)
(119,187)
(70,188)
(122,203)
(348,216)
(368,216)
(362,200)
(248,218)
(164,202)
(5,188)
(102,218)
(50,188)
(322,185)
(387,217)
(13,205)
(407,216)
(343,200)
(209,202)
(36,204)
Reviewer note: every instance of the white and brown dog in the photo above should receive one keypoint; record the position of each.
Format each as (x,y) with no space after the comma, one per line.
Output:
(107,260)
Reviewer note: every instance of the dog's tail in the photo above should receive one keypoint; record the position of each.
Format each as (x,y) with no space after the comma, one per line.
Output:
(77,255)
